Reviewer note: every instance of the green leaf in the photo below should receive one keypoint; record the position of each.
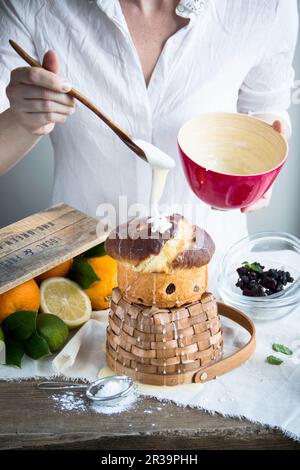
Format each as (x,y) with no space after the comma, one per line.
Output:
(14,352)
(282,349)
(275,361)
(20,325)
(95,252)
(83,273)
(36,346)
(257,267)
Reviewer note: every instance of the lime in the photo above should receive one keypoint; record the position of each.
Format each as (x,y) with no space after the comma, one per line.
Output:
(53,330)
(1,334)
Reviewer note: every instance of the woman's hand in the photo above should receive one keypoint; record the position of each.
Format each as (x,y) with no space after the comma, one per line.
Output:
(265,200)
(260,204)
(38,98)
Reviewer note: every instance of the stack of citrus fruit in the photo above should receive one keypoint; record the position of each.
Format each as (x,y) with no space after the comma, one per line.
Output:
(69,291)
(65,295)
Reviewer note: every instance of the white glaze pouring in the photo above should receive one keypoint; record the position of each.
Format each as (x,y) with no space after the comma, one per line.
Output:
(161,164)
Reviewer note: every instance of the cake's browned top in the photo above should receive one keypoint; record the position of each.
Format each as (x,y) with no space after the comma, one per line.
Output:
(182,246)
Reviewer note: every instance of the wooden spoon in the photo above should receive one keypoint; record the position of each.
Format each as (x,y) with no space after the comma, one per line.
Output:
(76,94)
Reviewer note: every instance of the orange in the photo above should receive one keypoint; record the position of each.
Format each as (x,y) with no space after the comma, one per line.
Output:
(62,270)
(26,296)
(100,291)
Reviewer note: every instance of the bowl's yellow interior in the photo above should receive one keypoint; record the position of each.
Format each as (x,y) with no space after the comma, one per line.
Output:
(232,144)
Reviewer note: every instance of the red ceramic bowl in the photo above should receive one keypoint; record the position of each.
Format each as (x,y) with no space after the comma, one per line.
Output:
(230,160)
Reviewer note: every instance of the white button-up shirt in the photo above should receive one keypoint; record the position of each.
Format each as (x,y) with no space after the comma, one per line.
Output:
(232,56)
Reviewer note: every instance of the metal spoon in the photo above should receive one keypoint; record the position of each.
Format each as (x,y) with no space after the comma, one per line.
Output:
(76,94)
(93,388)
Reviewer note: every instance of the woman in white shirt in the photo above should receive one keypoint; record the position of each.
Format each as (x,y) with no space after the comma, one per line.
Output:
(150,66)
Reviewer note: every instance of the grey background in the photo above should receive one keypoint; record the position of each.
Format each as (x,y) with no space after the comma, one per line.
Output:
(27,187)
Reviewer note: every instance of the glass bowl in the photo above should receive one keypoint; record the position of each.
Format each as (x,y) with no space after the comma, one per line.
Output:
(276,250)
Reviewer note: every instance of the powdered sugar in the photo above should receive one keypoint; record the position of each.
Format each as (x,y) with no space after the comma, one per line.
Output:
(124,405)
(70,401)
(111,388)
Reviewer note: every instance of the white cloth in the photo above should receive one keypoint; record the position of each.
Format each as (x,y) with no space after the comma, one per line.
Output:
(257,391)
(232,56)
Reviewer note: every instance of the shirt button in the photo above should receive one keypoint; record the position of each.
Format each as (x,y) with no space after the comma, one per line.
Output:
(199,4)
(181,8)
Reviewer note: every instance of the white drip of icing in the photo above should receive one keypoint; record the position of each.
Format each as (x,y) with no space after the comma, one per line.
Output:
(161,164)
(159,223)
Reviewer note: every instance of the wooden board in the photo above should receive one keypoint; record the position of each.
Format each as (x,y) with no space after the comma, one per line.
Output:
(30,420)
(44,240)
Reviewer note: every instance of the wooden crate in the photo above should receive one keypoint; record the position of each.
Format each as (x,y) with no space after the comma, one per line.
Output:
(42,241)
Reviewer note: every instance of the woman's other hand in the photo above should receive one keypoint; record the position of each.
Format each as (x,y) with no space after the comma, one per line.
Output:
(38,97)
(265,200)
(260,204)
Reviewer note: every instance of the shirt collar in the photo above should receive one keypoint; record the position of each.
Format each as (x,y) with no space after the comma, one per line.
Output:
(185,8)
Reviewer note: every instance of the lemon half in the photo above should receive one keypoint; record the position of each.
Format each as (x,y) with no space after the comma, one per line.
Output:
(65,299)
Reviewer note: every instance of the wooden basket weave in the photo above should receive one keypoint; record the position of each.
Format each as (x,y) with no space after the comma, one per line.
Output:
(163,346)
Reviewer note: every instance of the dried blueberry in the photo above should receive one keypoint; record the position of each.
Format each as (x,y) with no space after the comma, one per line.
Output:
(170,289)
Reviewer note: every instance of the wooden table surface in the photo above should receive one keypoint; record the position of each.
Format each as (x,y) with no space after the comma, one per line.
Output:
(30,419)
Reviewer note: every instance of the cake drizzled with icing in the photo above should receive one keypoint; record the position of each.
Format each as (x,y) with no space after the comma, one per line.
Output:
(167,268)
(163,324)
